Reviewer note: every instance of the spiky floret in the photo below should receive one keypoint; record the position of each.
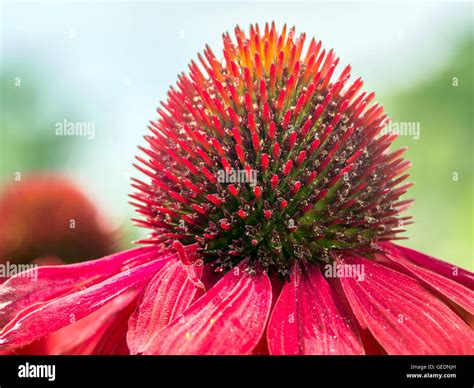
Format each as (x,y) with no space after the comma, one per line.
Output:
(263,156)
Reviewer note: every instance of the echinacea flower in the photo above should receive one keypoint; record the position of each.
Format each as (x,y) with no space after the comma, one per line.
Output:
(47,216)
(267,178)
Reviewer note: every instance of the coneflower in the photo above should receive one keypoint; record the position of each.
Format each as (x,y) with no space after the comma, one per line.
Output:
(47,216)
(266,178)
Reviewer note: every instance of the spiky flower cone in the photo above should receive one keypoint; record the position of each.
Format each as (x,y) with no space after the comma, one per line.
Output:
(267,156)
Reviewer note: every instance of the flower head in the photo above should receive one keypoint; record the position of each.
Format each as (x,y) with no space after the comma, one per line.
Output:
(46,216)
(266,157)
(272,198)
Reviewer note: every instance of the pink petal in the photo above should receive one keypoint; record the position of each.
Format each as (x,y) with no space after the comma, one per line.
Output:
(459,294)
(309,318)
(228,319)
(44,318)
(448,270)
(22,290)
(167,295)
(113,341)
(80,337)
(72,339)
(402,315)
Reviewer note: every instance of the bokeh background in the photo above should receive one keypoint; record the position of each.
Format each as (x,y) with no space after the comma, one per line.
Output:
(111,63)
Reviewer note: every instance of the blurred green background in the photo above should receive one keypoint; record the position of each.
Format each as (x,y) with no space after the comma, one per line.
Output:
(111,63)
(442,159)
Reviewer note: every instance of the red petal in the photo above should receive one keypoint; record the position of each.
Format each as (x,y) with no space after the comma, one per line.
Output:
(81,337)
(46,283)
(309,318)
(402,315)
(114,339)
(448,270)
(459,294)
(228,319)
(168,294)
(43,318)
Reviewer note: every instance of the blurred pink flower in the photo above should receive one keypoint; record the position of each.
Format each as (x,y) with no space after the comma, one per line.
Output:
(47,216)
